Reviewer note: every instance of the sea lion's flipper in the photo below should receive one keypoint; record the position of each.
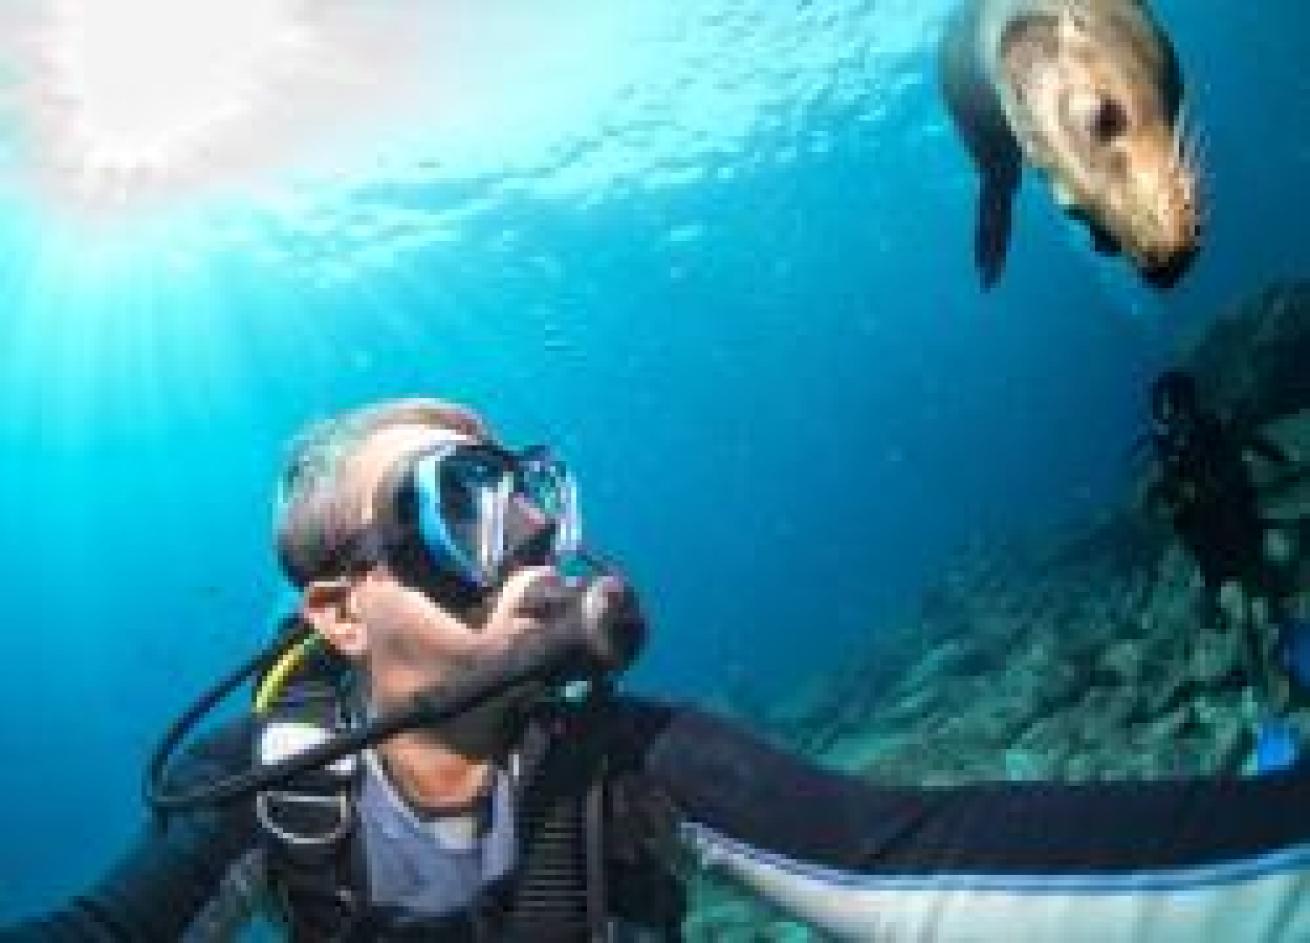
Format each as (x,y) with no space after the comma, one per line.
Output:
(992,239)
(980,119)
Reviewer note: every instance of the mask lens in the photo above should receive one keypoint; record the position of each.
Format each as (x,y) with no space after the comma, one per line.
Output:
(463,495)
(480,509)
(538,483)
(548,487)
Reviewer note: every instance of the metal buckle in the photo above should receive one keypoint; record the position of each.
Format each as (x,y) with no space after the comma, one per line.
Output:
(340,800)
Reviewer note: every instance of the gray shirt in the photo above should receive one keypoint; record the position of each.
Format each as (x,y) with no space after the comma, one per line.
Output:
(432,867)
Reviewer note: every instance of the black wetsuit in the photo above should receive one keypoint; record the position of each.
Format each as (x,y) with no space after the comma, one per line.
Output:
(1164,861)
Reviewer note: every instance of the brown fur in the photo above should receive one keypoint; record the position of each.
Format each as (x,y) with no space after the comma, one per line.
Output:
(1089,92)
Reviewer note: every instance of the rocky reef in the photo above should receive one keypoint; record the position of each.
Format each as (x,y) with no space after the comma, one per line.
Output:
(1252,360)
(1076,656)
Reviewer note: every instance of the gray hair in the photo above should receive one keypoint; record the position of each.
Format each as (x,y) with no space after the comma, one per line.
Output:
(316,517)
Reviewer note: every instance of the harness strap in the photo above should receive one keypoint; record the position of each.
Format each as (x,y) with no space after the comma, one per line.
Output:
(593,835)
(308,844)
(558,891)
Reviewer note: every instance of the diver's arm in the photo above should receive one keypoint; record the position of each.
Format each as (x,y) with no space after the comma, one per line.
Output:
(1157,495)
(1265,447)
(1149,497)
(1164,862)
(173,875)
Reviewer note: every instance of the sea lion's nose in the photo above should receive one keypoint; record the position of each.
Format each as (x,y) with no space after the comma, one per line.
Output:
(1164,271)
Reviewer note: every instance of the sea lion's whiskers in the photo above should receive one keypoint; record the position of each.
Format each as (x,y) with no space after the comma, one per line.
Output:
(1193,158)
(1200,154)
(1203,148)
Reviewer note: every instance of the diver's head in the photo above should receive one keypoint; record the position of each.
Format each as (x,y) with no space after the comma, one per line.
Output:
(1103,129)
(416,542)
(1175,403)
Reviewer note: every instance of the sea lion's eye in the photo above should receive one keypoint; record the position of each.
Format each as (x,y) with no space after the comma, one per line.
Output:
(1109,121)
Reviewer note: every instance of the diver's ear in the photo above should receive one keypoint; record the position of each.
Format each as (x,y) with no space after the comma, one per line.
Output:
(329,606)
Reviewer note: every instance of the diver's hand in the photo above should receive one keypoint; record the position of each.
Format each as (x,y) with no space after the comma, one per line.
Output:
(531,598)
(599,622)
(514,639)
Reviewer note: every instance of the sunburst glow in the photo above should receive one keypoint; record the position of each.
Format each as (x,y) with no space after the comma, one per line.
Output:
(149,84)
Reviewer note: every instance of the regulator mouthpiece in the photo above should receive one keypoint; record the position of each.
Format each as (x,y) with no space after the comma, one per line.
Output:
(598,620)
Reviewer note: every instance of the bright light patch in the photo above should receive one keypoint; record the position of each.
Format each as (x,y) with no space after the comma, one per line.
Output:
(150,82)
(341,135)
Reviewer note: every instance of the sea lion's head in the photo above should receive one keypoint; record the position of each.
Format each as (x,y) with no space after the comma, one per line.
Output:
(1092,98)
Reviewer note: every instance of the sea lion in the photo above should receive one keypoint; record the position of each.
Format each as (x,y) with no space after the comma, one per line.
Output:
(1090,93)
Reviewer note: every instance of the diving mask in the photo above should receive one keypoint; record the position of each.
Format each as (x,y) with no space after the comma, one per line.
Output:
(455,517)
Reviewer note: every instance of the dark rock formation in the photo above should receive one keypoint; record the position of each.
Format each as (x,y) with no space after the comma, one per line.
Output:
(1254,361)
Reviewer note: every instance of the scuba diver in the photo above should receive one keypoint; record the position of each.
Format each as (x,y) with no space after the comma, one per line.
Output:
(1203,485)
(438,750)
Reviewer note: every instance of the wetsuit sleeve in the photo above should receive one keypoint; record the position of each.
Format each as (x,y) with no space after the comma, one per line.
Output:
(1166,861)
(159,888)
(720,776)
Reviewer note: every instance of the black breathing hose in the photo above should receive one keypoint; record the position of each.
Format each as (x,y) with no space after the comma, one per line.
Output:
(580,643)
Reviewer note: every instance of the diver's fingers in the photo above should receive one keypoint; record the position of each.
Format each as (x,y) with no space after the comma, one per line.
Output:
(529,595)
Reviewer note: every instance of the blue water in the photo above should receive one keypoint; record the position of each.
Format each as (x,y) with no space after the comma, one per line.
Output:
(718,252)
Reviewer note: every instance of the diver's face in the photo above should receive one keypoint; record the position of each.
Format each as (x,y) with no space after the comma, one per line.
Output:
(1164,412)
(404,640)
(1173,419)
